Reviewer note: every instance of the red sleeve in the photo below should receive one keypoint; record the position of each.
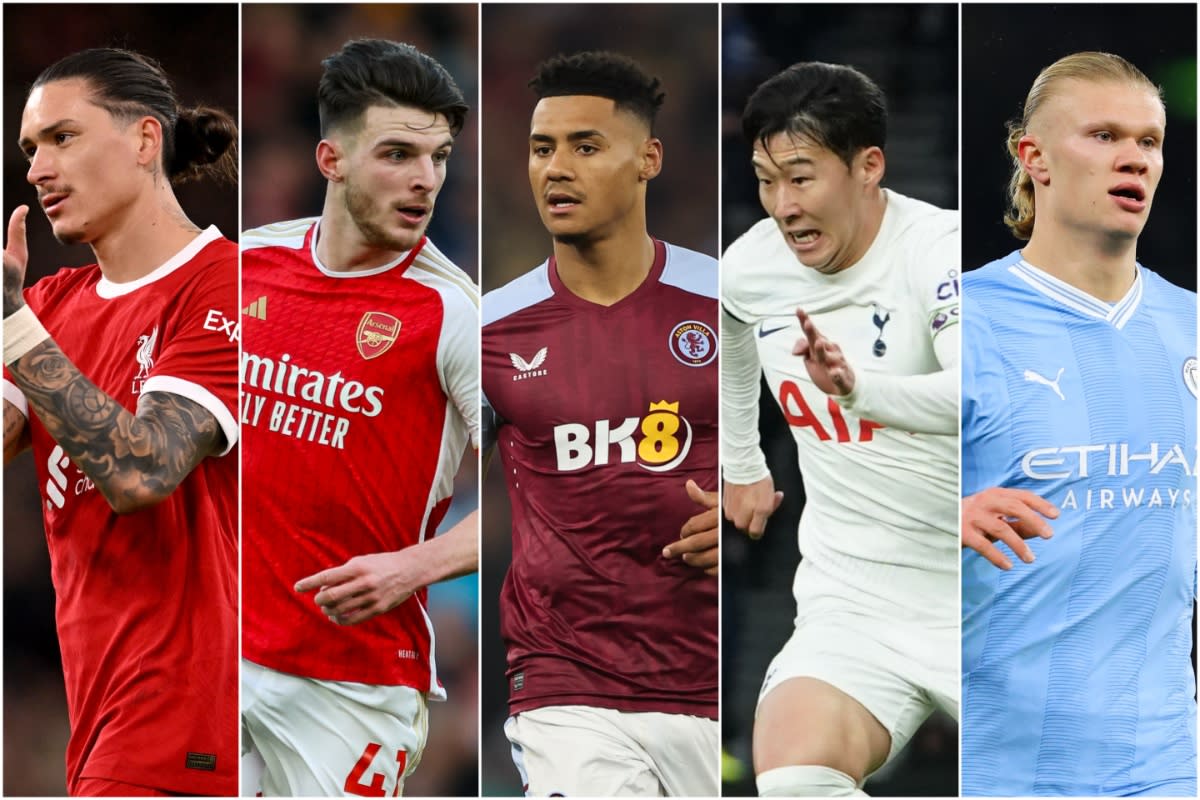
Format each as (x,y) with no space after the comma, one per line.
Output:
(198,358)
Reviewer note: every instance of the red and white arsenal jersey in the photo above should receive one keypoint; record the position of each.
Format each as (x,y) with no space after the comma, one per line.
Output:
(147,602)
(360,391)
(601,415)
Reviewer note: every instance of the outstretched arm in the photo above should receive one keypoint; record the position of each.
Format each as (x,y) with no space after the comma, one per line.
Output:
(366,586)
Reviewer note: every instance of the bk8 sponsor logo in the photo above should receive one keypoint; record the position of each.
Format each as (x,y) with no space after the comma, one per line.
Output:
(658,442)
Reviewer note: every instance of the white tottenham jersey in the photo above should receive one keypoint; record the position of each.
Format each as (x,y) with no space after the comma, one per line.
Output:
(880,467)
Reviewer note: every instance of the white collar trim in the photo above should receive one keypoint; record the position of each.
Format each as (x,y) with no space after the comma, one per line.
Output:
(354,273)
(1117,314)
(108,289)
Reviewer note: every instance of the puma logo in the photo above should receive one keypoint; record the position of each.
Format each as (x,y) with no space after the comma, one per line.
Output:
(1033,377)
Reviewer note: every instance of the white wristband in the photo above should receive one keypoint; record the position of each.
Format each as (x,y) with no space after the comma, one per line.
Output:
(23,331)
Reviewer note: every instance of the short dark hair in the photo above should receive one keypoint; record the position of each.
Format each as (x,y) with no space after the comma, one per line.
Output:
(600,73)
(197,142)
(835,106)
(378,72)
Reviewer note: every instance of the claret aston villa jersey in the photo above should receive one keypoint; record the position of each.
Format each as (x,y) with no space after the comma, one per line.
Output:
(601,414)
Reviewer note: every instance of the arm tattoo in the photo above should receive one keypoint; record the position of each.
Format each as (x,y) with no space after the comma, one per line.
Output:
(16,432)
(134,460)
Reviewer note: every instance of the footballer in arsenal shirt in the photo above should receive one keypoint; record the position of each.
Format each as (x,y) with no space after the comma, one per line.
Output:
(600,384)
(360,395)
(122,377)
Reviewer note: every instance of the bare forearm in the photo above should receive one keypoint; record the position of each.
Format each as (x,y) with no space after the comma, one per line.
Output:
(135,460)
(452,554)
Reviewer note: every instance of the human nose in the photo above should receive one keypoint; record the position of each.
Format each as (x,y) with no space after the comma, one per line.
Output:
(1132,157)
(41,167)
(783,202)
(425,176)
(559,166)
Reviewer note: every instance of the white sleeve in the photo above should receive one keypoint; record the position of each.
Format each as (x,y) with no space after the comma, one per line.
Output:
(913,403)
(922,403)
(458,362)
(15,396)
(741,457)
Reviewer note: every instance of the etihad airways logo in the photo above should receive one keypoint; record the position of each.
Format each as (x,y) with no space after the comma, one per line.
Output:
(1087,460)
(665,442)
(1112,460)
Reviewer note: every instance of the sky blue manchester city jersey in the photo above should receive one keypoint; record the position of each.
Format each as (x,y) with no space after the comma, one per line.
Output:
(1076,670)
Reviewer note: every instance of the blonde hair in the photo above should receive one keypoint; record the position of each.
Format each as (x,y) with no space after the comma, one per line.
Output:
(1089,66)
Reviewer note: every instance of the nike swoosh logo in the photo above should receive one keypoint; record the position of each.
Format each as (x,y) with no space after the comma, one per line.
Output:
(762,332)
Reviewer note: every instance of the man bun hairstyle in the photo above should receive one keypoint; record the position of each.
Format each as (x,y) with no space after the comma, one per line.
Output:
(197,142)
(834,106)
(378,72)
(599,73)
(1091,66)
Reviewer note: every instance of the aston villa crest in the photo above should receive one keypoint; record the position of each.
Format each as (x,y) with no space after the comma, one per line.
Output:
(377,332)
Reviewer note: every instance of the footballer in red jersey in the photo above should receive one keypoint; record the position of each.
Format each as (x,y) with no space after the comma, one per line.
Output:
(360,396)
(123,378)
(600,384)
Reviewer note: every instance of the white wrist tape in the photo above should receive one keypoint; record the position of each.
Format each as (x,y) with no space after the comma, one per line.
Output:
(22,332)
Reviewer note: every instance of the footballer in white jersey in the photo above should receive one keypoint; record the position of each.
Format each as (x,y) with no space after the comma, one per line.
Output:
(846,299)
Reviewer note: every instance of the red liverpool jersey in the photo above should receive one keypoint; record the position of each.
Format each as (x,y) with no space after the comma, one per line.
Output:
(147,602)
(601,415)
(360,390)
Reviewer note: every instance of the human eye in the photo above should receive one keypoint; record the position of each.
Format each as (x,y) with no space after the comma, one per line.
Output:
(441,156)
(587,149)
(541,150)
(1149,142)
(1102,136)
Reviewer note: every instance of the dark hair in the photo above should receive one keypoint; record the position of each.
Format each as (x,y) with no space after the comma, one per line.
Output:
(372,72)
(601,74)
(197,142)
(835,106)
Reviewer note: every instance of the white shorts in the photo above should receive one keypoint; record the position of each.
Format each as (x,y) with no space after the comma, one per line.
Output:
(308,738)
(900,670)
(583,751)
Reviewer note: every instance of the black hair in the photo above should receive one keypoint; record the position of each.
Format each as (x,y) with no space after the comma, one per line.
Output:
(834,106)
(197,142)
(371,72)
(601,74)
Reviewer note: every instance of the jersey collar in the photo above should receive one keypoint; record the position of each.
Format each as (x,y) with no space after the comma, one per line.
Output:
(1116,314)
(108,289)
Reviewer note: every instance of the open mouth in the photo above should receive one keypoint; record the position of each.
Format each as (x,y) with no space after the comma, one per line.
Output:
(414,215)
(1130,193)
(52,202)
(561,202)
(804,237)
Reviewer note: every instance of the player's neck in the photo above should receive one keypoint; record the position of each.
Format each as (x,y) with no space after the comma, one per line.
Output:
(340,244)
(1104,270)
(605,271)
(148,233)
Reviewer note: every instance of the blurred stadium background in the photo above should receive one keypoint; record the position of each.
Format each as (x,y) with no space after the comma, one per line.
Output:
(35,36)
(911,51)
(1003,53)
(677,43)
(282,50)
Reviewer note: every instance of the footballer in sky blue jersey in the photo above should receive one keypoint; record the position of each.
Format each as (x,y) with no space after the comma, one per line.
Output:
(1079,458)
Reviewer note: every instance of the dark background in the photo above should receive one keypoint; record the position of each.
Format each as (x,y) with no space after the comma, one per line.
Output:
(676,43)
(282,50)
(911,52)
(1002,55)
(180,38)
